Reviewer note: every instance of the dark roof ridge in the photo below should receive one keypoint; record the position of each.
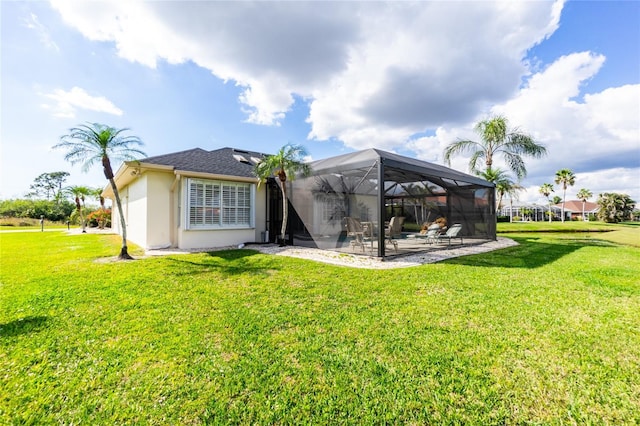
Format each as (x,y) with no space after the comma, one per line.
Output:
(155,157)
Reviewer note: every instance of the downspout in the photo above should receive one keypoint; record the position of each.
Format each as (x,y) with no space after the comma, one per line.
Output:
(381,208)
(172,218)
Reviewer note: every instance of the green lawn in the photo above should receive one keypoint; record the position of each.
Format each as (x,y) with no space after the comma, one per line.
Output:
(627,233)
(547,332)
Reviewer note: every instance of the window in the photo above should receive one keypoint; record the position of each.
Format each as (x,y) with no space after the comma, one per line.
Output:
(333,209)
(214,204)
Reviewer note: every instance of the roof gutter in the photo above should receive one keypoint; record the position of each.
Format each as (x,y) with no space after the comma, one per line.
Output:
(203,175)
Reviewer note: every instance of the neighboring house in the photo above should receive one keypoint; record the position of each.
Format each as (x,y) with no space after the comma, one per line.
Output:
(529,212)
(192,199)
(573,209)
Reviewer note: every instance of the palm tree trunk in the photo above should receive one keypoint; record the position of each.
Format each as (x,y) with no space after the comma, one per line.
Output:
(124,253)
(84,226)
(108,173)
(79,208)
(285,212)
(564,197)
(510,209)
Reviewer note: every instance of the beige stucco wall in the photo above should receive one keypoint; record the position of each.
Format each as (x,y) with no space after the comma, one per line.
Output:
(159,209)
(156,216)
(134,205)
(191,239)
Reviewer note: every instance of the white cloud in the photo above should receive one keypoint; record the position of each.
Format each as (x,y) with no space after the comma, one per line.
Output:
(66,103)
(597,136)
(375,72)
(598,133)
(45,38)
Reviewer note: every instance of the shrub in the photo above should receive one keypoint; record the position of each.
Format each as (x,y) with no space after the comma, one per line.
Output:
(615,207)
(99,217)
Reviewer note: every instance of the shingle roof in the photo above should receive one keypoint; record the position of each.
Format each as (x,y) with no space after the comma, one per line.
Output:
(576,206)
(223,161)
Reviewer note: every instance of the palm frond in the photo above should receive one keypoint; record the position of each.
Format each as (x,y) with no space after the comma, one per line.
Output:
(523,144)
(89,143)
(460,147)
(473,161)
(288,159)
(516,164)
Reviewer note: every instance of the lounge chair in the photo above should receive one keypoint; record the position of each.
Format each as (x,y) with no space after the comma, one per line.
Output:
(451,233)
(431,234)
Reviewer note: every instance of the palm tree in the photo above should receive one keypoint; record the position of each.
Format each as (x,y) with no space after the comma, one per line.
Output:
(497,139)
(566,178)
(584,195)
(546,189)
(285,164)
(504,183)
(92,143)
(79,193)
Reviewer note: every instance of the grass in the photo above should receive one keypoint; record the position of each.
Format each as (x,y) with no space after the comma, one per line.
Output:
(568,226)
(627,233)
(547,332)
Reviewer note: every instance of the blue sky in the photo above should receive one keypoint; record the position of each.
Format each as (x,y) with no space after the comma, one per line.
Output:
(335,77)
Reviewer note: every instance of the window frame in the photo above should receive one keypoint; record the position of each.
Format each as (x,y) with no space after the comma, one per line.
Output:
(220,210)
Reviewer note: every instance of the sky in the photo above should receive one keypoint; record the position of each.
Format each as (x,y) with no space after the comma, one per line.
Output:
(334,77)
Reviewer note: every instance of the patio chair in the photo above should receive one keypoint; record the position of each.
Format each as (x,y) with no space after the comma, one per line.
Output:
(356,231)
(451,233)
(395,227)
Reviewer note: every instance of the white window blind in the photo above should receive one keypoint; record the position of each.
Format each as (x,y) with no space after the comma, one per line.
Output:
(218,204)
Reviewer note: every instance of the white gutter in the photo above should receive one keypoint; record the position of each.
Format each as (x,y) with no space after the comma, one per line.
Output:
(204,175)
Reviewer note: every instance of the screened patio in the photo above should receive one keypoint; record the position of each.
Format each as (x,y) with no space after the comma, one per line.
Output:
(342,206)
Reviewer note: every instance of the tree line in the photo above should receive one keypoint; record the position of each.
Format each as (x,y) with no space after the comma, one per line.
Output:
(51,200)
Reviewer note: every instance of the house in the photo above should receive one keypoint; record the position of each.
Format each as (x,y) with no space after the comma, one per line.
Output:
(198,199)
(192,199)
(573,209)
